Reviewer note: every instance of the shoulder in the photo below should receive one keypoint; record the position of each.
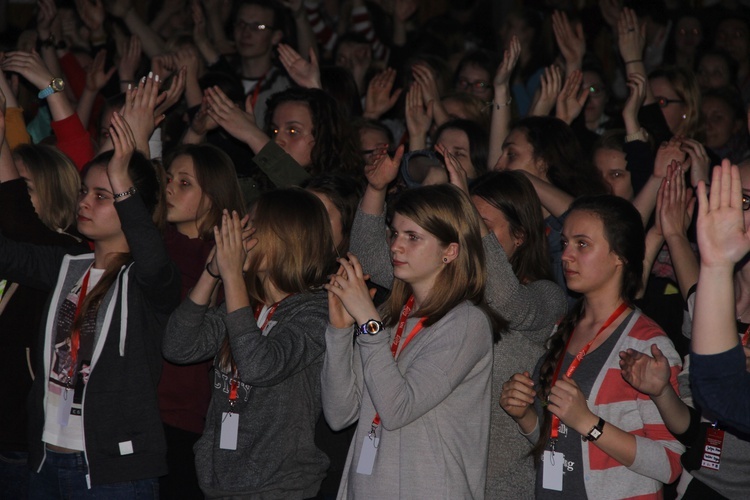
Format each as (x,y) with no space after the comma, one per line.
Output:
(642,332)
(313,302)
(467,319)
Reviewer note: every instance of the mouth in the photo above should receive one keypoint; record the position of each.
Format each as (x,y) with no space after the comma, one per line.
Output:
(397,263)
(82,218)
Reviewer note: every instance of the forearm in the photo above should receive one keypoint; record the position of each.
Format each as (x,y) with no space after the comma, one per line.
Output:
(152,44)
(194,333)
(86,105)
(684,262)
(645,200)
(714,328)
(235,293)
(373,201)
(555,200)
(341,379)
(369,244)
(305,35)
(673,411)
(654,242)
(499,125)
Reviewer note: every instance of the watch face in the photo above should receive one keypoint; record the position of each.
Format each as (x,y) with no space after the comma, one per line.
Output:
(58,85)
(595,433)
(372,327)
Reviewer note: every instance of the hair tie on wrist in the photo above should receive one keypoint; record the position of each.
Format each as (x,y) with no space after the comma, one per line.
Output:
(214,276)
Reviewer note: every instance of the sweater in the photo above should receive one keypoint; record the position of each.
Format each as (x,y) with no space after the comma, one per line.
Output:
(657,458)
(532,310)
(123,435)
(279,396)
(433,403)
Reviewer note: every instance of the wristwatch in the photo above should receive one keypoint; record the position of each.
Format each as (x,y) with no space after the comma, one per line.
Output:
(596,431)
(370,327)
(56,85)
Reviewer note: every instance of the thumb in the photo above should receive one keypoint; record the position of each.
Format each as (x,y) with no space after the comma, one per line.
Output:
(656,353)
(249,104)
(430,109)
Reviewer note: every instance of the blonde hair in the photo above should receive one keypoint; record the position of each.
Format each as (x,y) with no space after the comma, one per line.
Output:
(56,180)
(686,87)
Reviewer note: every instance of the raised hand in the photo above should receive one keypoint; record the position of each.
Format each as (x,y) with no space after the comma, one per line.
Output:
(637,86)
(647,374)
(124,143)
(419,115)
(510,59)
(631,37)
(426,79)
(572,98)
(45,16)
(229,116)
(130,58)
(349,286)
(305,74)
(379,98)
(231,253)
(96,77)
(202,123)
(518,395)
(173,94)
(667,153)
(697,161)
(456,172)
(572,42)
(549,90)
(722,237)
(140,104)
(677,205)
(29,66)
(384,169)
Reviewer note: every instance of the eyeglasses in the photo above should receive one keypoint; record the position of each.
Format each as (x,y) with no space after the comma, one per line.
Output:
(466,84)
(596,89)
(664,102)
(254,27)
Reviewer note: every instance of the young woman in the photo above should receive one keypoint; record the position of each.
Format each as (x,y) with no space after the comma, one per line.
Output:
(267,342)
(38,198)
(201,179)
(626,451)
(94,417)
(414,436)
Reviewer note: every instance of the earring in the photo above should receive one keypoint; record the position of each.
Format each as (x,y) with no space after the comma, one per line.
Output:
(684,117)
(445,259)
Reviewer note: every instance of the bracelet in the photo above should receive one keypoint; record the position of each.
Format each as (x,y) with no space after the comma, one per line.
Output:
(507,103)
(633,61)
(208,270)
(641,135)
(130,191)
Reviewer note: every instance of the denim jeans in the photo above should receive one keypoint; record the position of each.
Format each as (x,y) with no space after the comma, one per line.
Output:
(63,476)
(14,474)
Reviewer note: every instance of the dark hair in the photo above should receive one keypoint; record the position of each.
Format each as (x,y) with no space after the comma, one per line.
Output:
(361,124)
(278,10)
(485,59)
(732,98)
(623,230)
(334,148)
(145,178)
(344,192)
(478,141)
(514,195)
(732,65)
(217,178)
(339,83)
(554,142)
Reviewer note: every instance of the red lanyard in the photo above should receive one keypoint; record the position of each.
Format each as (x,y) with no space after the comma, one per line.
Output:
(746,336)
(234,383)
(554,431)
(75,335)
(256,91)
(397,339)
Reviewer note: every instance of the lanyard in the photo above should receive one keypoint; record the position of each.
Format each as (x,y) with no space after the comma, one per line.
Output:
(395,351)
(234,383)
(75,335)
(746,336)
(554,431)
(256,90)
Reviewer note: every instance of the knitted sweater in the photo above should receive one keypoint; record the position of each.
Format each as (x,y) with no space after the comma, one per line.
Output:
(279,396)
(657,458)
(433,404)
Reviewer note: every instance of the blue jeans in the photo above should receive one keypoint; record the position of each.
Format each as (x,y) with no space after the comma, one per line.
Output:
(63,476)
(14,474)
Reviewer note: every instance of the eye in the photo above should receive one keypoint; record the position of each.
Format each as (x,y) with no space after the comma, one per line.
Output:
(293,131)
(275,131)
(582,244)
(413,237)
(101,197)
(184,183)
(564,243)
(169,179)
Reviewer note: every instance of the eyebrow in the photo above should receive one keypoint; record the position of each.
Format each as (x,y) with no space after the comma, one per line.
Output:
(181,172)
(99,189)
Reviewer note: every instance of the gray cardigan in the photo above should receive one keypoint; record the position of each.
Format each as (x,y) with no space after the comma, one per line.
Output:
(279,396)
(433,405)
(532,311)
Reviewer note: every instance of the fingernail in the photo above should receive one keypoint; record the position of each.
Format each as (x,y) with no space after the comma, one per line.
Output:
(130,86)
(150,74)
(157,78)
(143,80)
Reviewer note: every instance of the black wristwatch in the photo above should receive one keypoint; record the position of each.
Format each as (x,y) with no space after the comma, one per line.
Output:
(370,327)
(596,431)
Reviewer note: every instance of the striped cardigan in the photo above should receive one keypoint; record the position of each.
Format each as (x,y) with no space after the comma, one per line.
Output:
(657,458)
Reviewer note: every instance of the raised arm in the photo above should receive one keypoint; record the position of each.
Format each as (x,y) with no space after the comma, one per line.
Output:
(501,111)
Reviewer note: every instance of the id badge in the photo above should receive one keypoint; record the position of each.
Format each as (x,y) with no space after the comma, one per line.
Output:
(64,405)
(230,424)
(552,472)
(367,455)
(712,448)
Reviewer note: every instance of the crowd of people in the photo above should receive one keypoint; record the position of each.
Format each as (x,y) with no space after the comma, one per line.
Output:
(388,249)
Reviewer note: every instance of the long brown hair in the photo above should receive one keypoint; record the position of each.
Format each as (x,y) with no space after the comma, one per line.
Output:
(294,244)
(447,213)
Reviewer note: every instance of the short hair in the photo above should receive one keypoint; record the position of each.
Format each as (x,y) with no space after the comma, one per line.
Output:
(217,178)
(56,180)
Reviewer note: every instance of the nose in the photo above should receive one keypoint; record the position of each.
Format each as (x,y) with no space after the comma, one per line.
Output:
(83,200)
(395,244)
(502,162)
(281,141)
(567,254)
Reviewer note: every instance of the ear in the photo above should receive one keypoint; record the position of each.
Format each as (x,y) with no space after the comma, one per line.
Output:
(541,168)
(450,253)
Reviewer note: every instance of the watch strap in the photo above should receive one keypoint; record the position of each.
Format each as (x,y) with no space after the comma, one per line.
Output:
(596,431)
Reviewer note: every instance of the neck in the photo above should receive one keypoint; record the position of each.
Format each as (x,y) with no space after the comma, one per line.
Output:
(189,229)
(599,307)
(420,296)
(256,67)
(273,294)
(104,251)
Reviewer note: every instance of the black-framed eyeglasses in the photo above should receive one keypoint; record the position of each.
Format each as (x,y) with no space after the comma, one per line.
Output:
(255,27)
(466,84)
(663,102)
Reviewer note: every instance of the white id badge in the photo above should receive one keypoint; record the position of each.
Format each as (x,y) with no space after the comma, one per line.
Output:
(367,456)
(64,405)
(552,476)
(230,424)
